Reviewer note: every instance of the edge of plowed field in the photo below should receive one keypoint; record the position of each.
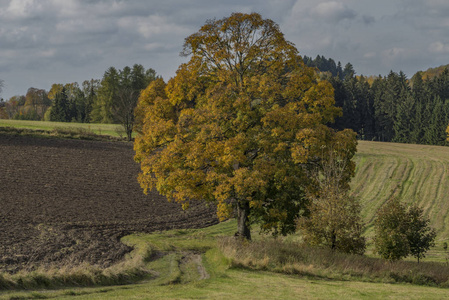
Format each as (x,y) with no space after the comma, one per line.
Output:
(192,264)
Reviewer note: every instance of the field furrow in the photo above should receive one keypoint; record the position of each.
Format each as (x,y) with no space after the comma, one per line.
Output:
(70,202)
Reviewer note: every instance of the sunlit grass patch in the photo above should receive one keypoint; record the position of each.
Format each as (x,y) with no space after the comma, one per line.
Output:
(114,130)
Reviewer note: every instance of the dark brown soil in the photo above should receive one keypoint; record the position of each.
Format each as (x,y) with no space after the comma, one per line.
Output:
(70,201)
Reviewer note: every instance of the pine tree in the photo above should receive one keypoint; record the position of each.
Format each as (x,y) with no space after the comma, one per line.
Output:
(348,71)
(417,133)
(435,131)
(405,112)
(441,85)
(366,106)
(340,99)
(381,117)
(393,90)
(60,110)
(102,106)
(352,108)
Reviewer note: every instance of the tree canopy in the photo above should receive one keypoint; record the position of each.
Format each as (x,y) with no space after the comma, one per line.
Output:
(419,234)
(400,231)
(238,125)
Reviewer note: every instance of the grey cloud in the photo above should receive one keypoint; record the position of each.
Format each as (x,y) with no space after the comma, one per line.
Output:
(439,48)
(427,15)
(368,20)
(20,9)
(333,11)
(49,41)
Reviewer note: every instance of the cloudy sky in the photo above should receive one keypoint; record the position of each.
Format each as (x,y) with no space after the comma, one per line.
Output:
(59,41)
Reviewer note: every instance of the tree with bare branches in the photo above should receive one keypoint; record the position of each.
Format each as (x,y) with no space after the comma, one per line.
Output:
(334,219)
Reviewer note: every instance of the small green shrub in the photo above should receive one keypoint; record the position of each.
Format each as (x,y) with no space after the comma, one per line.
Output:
(401,231)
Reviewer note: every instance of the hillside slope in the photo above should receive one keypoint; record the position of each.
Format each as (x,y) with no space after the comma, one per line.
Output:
(432,72)
(414,173)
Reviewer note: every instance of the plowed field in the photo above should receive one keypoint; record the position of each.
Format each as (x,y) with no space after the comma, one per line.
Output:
(70,201)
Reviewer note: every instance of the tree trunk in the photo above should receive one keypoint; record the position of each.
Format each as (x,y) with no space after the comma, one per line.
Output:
(243,230)
(333,240)
(129,133)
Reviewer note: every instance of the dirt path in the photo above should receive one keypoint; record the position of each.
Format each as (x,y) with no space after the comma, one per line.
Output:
(196,259)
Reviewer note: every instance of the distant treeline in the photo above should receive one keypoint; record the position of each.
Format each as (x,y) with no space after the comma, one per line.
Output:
(390,108)
(96,101)
(110,100)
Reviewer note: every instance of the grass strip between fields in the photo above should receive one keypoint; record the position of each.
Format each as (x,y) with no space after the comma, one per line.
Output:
(84,131)
(114,130)
(60,132)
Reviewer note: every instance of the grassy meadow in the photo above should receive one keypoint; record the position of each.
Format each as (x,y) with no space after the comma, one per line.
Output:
(414,173)
(114,130)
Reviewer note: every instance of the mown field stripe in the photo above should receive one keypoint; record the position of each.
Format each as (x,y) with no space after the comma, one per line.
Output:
(409,168)
(414,173)
(376,186)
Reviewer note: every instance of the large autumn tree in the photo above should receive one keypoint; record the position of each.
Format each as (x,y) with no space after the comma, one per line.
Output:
(239,125)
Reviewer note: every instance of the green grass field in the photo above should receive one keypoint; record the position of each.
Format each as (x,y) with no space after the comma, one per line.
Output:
(241,284)
(101,129)
(414,173)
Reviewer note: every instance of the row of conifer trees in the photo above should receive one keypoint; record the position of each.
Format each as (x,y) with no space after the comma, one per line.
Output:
(390,108)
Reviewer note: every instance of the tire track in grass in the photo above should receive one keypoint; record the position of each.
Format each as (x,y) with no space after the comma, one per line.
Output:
(396,182)
(364,168)
(428,191)
(429,188)
(445,200)
(415,180)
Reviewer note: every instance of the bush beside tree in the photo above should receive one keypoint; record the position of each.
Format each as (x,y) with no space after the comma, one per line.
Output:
(401,231)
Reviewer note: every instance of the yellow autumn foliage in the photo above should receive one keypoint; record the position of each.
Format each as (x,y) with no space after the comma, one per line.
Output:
(239,125)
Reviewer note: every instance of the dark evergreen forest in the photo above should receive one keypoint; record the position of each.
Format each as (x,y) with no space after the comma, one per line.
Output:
(389,108)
